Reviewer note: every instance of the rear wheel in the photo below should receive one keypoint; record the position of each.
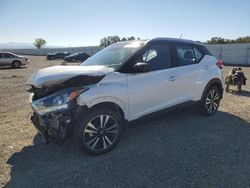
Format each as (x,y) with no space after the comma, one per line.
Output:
(211,101)
(16,64)
(99,131)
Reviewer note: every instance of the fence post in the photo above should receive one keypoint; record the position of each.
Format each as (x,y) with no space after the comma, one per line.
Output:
(248,53)
(220,52)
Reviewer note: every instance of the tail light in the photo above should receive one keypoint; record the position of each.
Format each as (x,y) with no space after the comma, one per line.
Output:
(220,64)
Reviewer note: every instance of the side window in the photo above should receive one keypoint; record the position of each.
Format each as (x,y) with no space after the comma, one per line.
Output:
(159,57)
(149,55)
(6,55)
(198,54)
(185,55)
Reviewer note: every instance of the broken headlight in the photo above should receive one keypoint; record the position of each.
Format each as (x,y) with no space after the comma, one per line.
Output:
(57,101)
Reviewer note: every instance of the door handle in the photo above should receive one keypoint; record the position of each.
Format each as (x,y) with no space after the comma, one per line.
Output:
(172,78)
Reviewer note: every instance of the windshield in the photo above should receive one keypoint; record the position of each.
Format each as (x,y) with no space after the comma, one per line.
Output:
(114,55)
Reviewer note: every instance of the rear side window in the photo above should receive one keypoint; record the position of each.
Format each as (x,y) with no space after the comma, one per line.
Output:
(198,54)
(188,55)
(158,56)
(185,55)
(7,55)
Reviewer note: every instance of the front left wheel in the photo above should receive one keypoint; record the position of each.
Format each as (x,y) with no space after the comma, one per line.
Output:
(98,131)
(16,64)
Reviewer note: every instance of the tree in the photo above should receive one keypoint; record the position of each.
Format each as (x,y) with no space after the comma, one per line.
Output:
(123,39)
(243,40)
(131,38)
(219,40)
(106,41)
(39,42)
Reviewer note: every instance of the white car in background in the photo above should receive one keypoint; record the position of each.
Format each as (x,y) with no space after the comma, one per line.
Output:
(13,60)
(94,101)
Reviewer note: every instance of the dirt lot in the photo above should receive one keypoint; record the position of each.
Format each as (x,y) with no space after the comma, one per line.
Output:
(176,149)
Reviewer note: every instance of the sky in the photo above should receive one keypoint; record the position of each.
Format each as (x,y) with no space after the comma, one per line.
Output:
(85,22)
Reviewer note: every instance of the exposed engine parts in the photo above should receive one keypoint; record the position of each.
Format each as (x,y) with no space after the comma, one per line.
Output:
(55,126)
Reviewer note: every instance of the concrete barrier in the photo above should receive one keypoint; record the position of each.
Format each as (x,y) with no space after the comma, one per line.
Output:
(232,54)
(44,51)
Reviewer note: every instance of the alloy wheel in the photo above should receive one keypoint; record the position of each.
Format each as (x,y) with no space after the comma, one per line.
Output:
(212,101)
(100,132)
(16,64)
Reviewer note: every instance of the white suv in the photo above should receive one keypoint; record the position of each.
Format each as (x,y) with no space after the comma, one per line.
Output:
(123,82)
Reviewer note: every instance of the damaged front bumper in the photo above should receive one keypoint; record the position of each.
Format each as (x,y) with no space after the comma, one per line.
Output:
(56,126)
(54,115)
(55,91)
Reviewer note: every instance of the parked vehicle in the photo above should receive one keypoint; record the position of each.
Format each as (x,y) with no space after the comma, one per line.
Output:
(57,55)
(79,57)
(11,59)
(123,82)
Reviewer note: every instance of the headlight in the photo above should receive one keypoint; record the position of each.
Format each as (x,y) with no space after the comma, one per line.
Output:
(57,101)
(29,88)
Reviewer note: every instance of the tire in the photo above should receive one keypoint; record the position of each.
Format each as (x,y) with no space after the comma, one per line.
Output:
(227,87)
(94,137)
(239,88)
(16,64)
(210,101)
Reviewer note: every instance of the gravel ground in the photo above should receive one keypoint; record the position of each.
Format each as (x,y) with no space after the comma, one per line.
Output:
(179,148)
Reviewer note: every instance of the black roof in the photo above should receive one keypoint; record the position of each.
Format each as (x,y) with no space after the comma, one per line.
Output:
(172,40)
(164,40)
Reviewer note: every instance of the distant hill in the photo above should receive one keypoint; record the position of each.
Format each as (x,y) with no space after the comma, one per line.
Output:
(22,45)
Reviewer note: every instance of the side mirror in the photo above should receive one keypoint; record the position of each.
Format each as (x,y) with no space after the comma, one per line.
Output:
(141,67)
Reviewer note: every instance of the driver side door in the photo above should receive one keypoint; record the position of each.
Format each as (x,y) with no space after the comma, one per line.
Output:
(154,90)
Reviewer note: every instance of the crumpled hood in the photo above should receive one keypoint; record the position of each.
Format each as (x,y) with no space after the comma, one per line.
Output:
(57,74)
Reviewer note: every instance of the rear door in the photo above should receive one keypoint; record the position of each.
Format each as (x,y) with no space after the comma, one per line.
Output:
(6,59)
(191,71)
(154,90)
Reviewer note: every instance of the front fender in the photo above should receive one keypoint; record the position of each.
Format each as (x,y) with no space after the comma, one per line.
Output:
(114,93)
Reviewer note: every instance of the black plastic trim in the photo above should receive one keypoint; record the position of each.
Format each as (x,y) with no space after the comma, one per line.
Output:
(211,82)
